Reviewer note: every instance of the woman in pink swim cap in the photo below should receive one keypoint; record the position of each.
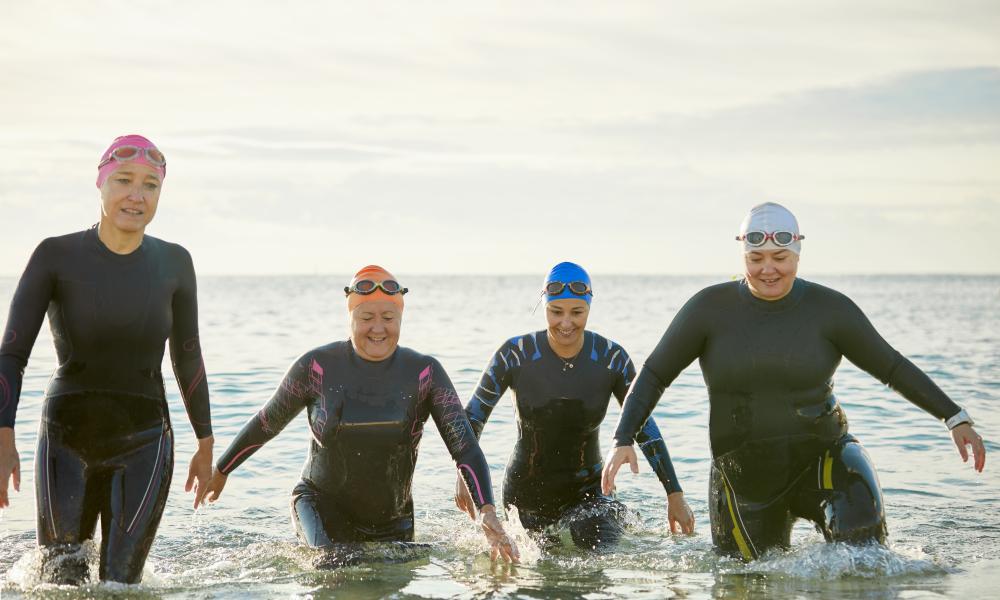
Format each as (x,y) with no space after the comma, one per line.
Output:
(113,295)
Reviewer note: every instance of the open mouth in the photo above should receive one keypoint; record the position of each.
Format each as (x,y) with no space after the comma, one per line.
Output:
(133,212)
(565,333)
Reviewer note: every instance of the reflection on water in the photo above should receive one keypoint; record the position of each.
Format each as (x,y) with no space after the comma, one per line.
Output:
(944,522)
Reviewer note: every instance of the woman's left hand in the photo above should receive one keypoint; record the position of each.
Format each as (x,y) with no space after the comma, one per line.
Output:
(500,543)
(964,435)
(200,470)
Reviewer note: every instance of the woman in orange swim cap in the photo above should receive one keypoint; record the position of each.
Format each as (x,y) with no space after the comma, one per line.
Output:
(367,400)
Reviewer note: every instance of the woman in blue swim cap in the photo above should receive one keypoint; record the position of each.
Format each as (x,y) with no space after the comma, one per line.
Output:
(563,378)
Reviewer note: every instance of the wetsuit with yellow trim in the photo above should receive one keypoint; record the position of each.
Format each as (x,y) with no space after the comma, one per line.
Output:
(554,472)
(366,419)
(105,445)
(779,437)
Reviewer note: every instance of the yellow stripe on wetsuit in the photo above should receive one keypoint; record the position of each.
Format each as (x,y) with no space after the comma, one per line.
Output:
(827,471)
(737,533)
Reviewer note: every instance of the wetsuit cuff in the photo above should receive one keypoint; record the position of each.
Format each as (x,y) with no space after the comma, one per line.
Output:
(959,418)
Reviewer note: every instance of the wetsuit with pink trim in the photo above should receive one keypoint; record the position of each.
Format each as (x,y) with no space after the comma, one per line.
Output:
(105,444)
(366,419)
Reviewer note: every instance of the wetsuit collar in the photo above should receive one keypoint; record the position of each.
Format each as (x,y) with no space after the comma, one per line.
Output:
(106,252)
(790,300)
(385,362)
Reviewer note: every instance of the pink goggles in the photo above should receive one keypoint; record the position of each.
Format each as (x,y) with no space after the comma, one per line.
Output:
(130,148)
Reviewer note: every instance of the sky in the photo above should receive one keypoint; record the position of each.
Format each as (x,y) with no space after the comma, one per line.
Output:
(472,137)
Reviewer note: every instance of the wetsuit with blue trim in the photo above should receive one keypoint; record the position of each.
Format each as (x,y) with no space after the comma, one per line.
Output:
(780,443)
(105,445)
(366,419)
(554,472)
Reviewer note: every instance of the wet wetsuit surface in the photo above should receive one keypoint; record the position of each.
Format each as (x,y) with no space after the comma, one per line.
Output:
(768,367)
(104,421)
(366,420)
(556,463)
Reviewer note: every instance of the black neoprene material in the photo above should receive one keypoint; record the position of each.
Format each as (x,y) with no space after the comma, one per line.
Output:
(557,461)
(366,420)
(110,315)
(769,368)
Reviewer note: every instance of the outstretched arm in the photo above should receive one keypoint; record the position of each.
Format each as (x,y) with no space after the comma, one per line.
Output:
(653,446)
(856,338)
(293,394)
(189,370)
(27,310)
(446,409)
(495,380)
(681,343)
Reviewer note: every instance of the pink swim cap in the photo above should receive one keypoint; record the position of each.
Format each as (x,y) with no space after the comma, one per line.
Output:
(109,163)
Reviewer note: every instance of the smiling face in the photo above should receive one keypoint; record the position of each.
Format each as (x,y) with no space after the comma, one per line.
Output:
(129,197)
(567,319)
(771,273)
(375,329)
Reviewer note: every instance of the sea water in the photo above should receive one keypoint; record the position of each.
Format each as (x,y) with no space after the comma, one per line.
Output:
(943,518)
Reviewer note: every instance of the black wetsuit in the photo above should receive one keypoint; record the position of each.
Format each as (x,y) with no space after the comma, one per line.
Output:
(554,471)
(105,445)
(366,420)
(779,438)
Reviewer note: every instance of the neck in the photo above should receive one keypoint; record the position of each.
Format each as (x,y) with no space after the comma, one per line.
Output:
(118,241)
(564,351)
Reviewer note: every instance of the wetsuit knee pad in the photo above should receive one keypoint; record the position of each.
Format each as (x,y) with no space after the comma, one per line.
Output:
(851,495)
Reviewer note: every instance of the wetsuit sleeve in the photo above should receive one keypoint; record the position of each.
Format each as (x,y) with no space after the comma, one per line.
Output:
(857,339)
(446,409)
(185,349)
(27,310)
(494,382)
(681,343)
(292,395)
(649,438)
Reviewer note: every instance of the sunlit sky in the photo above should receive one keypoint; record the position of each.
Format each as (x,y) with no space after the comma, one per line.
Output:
(468,137)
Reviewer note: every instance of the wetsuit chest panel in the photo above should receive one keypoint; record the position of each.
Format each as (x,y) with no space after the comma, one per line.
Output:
(365,419)
(769,375)
(110,316)
(559,411)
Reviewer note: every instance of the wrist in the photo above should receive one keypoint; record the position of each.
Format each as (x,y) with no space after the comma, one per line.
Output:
(7,435)
(959,418)
(206,443)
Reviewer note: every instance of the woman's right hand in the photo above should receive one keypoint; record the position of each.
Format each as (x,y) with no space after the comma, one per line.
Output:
(215,486)
(463,498)
(10,464)
(500,543)
(616,458)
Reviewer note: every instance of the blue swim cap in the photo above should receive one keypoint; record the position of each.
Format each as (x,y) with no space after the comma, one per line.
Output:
(567,272)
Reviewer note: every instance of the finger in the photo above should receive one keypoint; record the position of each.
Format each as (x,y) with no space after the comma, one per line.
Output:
(689,525)
(979,449)
(17,477)
(960,442)
(190,481)
(608,475)
(674,525)
(633,462)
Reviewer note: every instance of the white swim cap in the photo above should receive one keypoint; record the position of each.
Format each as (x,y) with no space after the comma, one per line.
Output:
(770,217)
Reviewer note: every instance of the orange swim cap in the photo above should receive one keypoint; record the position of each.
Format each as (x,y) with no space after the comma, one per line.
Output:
(377,274)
